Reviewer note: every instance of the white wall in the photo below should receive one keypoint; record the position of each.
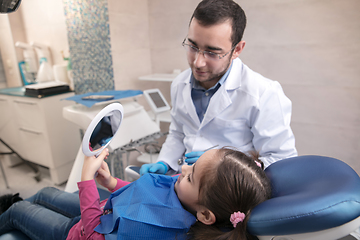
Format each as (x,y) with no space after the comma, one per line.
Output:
(44,22)
(129,34)
(36,20)
(8,54)
(130,45)
(312,48)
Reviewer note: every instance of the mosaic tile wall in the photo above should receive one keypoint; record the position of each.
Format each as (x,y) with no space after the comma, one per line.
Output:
(89,42)
(90,50)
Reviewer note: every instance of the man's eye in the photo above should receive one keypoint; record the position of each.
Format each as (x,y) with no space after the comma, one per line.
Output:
(193,49)
(211,55)
(188,177)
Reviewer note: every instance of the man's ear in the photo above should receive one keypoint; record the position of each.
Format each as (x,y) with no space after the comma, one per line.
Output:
(205,216)
(238,49)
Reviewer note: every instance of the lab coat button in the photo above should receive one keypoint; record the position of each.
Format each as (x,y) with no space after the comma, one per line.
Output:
(180,161)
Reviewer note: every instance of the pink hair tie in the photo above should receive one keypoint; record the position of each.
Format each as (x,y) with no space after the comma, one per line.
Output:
(258,164)
(237,217)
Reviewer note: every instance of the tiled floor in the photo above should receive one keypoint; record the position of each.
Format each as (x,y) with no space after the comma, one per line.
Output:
(349,237)
(21,179)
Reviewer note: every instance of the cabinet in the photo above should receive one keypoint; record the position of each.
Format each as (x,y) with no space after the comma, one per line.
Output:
(37,131)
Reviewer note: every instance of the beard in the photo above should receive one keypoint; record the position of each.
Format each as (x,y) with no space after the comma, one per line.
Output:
(213,77)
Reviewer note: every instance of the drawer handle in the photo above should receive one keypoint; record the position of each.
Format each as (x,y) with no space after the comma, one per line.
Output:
(30,131)
(28,103)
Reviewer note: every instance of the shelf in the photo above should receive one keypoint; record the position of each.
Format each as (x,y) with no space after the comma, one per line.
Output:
(162,77)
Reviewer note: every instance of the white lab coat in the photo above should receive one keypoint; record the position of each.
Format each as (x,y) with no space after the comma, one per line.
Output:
(249,112)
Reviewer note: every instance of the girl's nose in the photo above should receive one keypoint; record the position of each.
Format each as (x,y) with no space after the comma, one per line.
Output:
(185,168)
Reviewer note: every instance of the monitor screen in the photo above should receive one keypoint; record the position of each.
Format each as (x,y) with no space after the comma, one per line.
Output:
(155,96)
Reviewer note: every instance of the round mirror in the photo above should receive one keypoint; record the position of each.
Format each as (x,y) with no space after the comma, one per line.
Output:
(9,6)
(102,129)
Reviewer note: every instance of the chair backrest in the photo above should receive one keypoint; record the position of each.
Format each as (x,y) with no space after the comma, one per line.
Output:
(310,193)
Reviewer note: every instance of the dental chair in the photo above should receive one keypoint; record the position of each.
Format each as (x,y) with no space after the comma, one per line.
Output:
(314,198)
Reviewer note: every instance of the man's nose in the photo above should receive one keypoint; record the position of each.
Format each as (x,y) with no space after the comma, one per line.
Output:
(200,60)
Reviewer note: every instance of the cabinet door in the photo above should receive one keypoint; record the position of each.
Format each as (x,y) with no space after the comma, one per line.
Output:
(6,112)
(8,125)
(29,114)
(35,146)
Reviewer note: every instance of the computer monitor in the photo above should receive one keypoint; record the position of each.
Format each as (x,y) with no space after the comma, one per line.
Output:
(156,101)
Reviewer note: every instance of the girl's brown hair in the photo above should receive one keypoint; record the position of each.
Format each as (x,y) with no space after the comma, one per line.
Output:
(235,183)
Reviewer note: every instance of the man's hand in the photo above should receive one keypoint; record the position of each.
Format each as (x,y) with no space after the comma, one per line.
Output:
(192,157)
(159,168)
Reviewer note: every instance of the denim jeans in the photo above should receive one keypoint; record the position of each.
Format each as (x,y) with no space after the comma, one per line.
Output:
(49,214)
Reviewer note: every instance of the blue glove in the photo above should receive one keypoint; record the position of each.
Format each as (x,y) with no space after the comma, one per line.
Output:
(158,167)
(192,157)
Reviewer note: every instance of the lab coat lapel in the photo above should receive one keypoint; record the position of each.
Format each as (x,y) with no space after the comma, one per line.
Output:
(218,103)
(221,99)
(189,105)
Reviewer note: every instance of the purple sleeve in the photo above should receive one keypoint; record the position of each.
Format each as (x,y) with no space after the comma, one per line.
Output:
(120,184)
(90,209)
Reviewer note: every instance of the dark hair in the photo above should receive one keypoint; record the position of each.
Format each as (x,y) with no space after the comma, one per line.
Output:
(235,183)
(210,12)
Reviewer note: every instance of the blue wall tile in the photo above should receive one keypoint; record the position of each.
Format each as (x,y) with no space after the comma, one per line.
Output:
(89,42)
(90,50)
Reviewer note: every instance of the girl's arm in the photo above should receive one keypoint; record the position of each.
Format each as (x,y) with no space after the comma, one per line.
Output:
(89,195)
(105,179)
(90,209)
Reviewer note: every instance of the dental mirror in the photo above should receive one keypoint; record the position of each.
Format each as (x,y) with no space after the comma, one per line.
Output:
(102,129)
(9,6)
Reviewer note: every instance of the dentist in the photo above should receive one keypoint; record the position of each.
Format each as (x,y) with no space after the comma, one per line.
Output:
(221,101)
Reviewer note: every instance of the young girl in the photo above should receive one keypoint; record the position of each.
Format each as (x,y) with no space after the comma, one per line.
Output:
(230,186)
(220,190)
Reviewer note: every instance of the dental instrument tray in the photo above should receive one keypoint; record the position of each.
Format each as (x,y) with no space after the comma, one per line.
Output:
(46,89)
(98,97)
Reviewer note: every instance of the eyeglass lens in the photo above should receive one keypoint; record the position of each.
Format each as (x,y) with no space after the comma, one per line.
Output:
(194,50)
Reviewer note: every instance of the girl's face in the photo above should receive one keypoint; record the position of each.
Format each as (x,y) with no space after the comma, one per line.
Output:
(187,185)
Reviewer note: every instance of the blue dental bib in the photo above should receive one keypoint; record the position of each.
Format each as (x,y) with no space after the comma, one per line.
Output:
(146,209)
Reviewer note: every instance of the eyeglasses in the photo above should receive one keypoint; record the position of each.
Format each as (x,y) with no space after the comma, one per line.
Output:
(190,49)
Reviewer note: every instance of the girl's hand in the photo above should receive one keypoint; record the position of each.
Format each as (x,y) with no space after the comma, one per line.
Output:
(104,177)
(92,164)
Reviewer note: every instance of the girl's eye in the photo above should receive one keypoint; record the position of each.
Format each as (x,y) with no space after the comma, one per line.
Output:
(188,177)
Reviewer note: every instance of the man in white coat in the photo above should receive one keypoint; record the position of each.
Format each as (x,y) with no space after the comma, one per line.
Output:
(219,100)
